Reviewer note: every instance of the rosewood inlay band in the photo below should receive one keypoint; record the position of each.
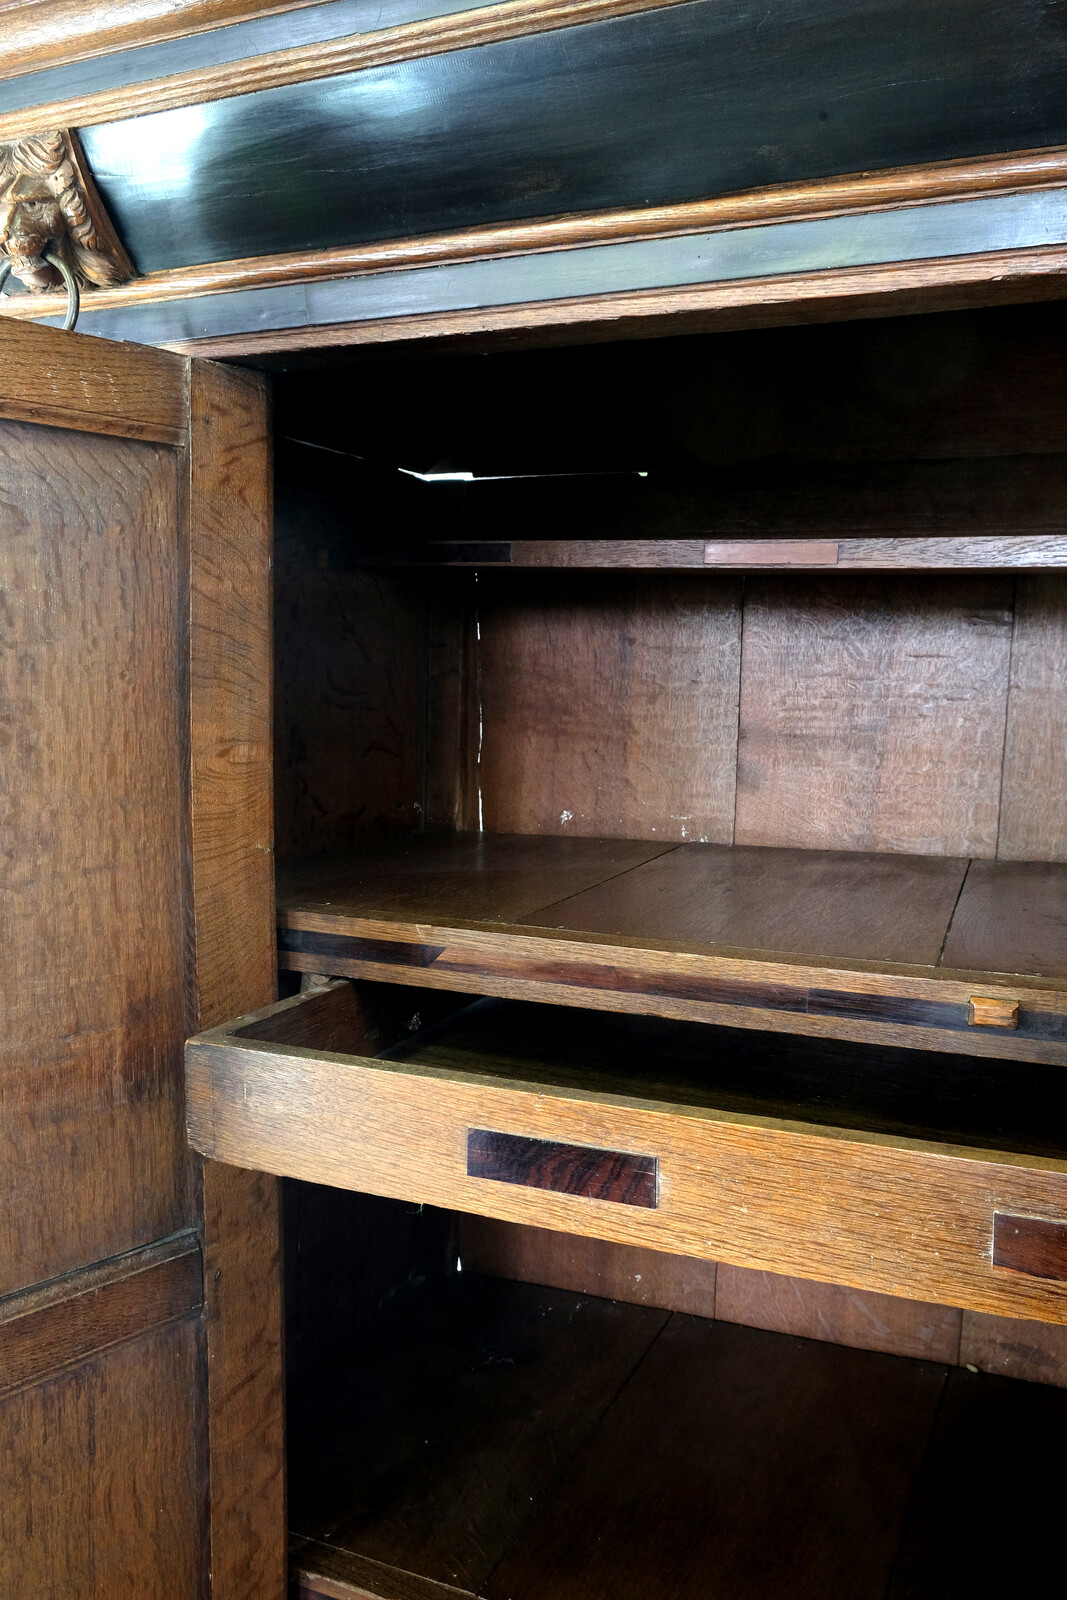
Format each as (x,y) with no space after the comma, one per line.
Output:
(1035,1245)
(613,1175)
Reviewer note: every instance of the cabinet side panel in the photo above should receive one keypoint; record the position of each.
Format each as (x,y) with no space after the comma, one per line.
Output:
(229,513)
(121,1517)
(92,1146)
(873,713)
(1033,815)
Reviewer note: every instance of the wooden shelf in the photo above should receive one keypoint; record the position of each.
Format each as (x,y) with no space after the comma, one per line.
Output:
(875,948)
(502,1440)
(1033,552)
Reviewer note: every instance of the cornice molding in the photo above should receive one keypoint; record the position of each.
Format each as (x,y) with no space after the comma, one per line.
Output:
(53,33)
(852,194)
(511,19)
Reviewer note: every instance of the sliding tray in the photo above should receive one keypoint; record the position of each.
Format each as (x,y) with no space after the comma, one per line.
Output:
(928,952)
(934,1177)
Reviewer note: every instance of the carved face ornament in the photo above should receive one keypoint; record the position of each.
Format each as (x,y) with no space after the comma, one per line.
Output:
(43,207)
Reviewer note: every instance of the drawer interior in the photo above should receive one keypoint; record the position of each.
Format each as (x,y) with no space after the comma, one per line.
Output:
(963,1101)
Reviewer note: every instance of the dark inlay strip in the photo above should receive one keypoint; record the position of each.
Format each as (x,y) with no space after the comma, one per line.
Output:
(381,951)
(1036,1245)
(615,1175)
(941,1014)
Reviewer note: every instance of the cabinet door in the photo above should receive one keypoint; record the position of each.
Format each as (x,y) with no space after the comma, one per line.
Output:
(140,1430)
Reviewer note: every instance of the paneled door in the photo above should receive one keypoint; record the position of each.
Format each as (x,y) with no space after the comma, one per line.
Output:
(140,1378)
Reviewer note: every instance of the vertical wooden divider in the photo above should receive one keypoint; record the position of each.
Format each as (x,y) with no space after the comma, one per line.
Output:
(229,521)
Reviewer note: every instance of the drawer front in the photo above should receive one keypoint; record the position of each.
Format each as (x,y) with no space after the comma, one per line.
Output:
(869,1211)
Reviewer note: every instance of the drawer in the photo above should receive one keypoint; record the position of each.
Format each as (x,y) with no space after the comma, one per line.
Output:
(768,1152)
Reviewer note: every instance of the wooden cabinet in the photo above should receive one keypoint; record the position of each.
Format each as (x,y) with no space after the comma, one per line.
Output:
(659,920)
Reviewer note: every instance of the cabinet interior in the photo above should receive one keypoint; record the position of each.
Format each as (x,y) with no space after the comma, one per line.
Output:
(442,675)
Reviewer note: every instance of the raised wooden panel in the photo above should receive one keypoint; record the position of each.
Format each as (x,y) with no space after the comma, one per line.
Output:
(1033,808)
(93,385)
(58,1324)
(873,713)
(100,1490)
(609,708)
(94,1153)
(229,508)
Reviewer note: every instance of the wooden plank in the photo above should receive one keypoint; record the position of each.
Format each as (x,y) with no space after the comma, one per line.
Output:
(53,1326)
(586,1265)
(63,380)
(952,1547)
(873,713)
(771,553)
(818,904)
(1033,807)
(646,750)
(484,877)
(785,1469)
(99,1490)
(452,1419)
(870,1210)
(953,283)
(45,33)
(232,912)
(93,936)
(322,1573)
(1010,172)
(1012,1348)
(411,41)
(1012,916)
(883,1322)
(879,554)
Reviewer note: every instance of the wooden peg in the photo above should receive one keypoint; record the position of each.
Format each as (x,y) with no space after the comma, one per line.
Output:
(986,1013)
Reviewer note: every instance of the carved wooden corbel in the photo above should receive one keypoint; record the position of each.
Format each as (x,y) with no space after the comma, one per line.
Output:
(49,206)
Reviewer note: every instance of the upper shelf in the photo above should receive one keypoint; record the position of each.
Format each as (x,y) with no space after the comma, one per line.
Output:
(1032,551)
(923,951)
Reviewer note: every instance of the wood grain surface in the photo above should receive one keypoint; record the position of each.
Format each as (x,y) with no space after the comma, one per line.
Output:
(998,278)
(273,69)
(322,1573)
(453,1416)
(44,33)
(617,1176)
(868,1321)
(786,1468)
(54,1326)
(611,760)
(1017,550)
(99,1476)
(1011,917)
(866,191)
(1036,1352)
(587,1265)
(471,876)
(813,903)
(1036,1245)
(93,385)
(92,906)
(1033,807)
(850,730)
(232,911)
(879,1211)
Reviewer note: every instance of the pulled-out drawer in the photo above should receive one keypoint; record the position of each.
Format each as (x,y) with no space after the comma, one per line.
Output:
(935,1177)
